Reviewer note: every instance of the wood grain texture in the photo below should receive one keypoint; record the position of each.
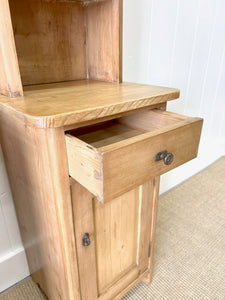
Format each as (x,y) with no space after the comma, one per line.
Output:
(37,169)
(120,233)
(50,40)
(104,38)
(10,81)
(181,139)
(105,133)
(116,225)
(155,195)
(133,154)
(62,40)
(160,106)
(63,104)
(59,177)
(82,202)
(146,192)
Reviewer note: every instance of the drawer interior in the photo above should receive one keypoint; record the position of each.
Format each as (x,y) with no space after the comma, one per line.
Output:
(117,130)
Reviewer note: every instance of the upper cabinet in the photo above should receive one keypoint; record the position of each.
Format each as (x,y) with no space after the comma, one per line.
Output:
(58,41)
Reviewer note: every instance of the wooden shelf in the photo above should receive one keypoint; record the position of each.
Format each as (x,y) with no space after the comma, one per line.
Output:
(58,41)
(67,103)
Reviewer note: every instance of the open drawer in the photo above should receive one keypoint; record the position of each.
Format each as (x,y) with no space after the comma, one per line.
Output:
(114,157)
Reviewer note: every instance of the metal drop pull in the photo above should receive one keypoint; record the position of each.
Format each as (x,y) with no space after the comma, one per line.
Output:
(165,156)
(86,240)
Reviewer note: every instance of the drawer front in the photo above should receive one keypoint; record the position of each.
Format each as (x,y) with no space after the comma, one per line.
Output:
(113,169)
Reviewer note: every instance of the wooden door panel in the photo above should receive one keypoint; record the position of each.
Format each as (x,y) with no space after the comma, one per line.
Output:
(120,233)
(116,231)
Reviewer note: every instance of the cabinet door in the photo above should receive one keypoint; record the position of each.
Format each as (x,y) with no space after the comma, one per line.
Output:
(116,251)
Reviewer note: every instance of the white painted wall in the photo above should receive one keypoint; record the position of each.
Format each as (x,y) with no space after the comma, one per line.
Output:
(177,43)
(13,264)
(181,43)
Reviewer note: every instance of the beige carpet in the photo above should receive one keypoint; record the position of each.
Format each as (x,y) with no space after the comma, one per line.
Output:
(190,244)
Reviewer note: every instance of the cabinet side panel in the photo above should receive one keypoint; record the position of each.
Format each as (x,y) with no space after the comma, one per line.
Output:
(10,81)
(59,173)
(26,151)
(104,40)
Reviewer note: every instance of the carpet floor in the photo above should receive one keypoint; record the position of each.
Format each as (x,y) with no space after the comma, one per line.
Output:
(189,260)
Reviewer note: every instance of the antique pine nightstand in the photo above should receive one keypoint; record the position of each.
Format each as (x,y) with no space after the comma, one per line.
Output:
(83,150)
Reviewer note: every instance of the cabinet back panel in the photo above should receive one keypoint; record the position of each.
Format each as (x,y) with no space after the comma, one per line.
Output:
(50,40)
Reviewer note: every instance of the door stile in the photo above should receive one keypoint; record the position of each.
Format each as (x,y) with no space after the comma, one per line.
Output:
(145,219)
(155,197)
(82,201)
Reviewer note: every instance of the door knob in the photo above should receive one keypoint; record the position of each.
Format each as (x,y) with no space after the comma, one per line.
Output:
(165,156)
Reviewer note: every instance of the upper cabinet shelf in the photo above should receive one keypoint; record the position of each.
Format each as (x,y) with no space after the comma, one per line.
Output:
(58,41)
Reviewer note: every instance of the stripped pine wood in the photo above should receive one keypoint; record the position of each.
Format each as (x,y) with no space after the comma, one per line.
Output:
(104,31)
(94,53)
(119,232)
(154,208)
(68,103)
(82,202)
(116,225)
(37,168)
(10,81)
(40,59)
(117,149)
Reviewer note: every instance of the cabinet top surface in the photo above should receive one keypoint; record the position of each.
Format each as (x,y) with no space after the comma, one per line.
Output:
(63,104)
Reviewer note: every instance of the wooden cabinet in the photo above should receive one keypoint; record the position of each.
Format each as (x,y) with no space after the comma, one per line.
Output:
(120,240)
(83,150)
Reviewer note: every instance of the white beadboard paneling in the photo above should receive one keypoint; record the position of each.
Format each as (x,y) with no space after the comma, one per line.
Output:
(13,263)
(161,41)
(135,18)
(4,184)
(215,54)
(218,102)
(9,230)
(5,244)
(11,221)
(186,24)
(185,49)
(198,63)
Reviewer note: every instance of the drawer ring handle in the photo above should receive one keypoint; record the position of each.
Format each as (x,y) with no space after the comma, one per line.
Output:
(165,156)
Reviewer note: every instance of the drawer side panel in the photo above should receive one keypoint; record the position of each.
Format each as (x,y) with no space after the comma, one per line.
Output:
(85,165)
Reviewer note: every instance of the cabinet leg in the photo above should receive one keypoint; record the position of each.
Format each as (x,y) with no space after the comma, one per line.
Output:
(148,278)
